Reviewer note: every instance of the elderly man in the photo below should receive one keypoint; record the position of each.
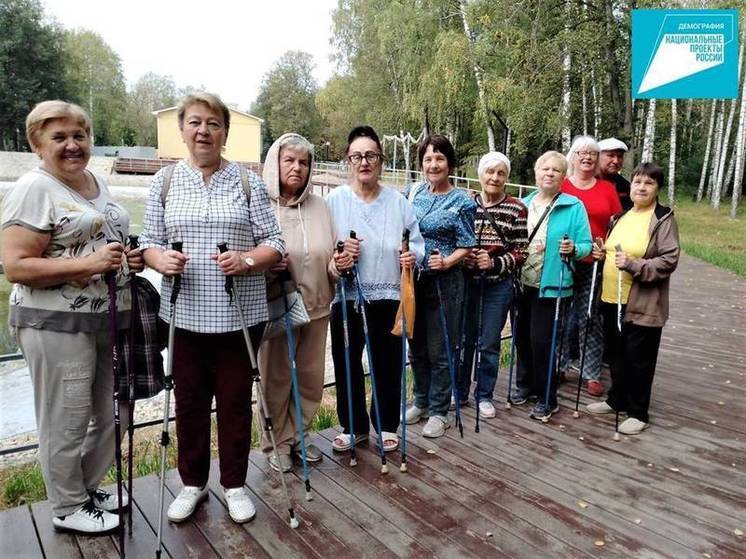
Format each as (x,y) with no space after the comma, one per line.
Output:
(610,163)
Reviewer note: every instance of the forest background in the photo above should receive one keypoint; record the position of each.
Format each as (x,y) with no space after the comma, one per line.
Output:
(518,76)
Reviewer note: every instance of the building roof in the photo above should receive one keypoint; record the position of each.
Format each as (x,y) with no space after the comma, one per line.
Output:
(231,109)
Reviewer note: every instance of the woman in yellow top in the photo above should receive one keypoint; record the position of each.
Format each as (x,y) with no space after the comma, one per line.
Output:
(641,252)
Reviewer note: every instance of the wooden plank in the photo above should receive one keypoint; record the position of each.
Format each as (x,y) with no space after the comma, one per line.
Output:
(376,496)
(211,518)
(350,503)
(56,544)
(180,540)
(269,528)
(448,515)
(24,543)
(650,495)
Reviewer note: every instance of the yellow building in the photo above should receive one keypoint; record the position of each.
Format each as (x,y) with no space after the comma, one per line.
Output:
(244,137)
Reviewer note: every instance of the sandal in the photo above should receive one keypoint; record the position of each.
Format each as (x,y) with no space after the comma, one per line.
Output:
(342,442)
(390,441)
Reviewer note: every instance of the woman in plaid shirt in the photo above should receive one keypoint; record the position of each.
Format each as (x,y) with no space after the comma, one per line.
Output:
(207,204)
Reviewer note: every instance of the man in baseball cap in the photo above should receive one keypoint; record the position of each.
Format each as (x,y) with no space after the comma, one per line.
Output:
(610,163)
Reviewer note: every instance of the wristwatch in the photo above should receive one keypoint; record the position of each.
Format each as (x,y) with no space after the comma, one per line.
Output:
(249,261)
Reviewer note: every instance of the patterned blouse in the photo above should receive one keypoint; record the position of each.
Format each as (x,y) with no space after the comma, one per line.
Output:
(201,216)
(446,220)
(506,245)
(77,227)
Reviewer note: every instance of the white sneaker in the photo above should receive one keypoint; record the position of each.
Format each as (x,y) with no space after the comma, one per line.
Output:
(414,414)
(486,410)
(108,501)
(435,427)
(239,503)
(632,426)
(598,408)
(88,519)
(185,503)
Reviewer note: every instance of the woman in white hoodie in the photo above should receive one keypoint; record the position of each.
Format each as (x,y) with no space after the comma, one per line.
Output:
(309,236)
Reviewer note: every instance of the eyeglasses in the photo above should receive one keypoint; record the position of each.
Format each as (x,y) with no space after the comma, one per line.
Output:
(586,153)
(369,156)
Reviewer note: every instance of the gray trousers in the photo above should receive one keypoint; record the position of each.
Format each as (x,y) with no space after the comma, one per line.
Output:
(73,383)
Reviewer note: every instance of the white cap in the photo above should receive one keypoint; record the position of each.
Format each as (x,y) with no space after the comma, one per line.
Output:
(612,144)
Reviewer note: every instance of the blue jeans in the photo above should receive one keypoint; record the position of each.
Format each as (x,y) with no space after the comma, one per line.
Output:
(496,300)
(427,351)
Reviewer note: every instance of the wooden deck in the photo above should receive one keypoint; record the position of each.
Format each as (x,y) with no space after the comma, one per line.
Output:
(517,489)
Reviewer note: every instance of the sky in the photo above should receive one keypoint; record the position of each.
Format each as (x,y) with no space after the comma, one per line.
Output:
(227,46)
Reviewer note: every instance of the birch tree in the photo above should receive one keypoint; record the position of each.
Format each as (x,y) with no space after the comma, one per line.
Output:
(478,79)
(708,147)
(566,67)
(717,146)
(718,186)
(740,132)
(649,140)
(672,156)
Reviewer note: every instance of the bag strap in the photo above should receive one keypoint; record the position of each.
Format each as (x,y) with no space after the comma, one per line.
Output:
(491,218)
(168,174)
(542,218)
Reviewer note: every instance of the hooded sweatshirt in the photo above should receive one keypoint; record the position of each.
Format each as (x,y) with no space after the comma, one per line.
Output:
(309,235)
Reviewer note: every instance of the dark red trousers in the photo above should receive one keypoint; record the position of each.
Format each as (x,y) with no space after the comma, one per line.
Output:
(207,366)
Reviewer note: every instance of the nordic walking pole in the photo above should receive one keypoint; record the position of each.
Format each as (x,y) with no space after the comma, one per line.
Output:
(168,385)
(348,367)
(111,281)
(230,288)
(447,343)
(477,360)
(618,248)
(368,351)
(134,244)
(403,421)
(588,320)
(299,423)
(461,348)
(511,368)
(555,327)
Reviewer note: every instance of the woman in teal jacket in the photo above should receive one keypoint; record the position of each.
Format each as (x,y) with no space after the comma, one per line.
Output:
(559,234)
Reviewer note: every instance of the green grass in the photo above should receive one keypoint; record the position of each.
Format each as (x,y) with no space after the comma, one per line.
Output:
(712,236)
(23,483)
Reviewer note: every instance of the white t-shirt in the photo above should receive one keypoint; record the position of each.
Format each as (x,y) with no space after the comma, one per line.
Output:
(78,227)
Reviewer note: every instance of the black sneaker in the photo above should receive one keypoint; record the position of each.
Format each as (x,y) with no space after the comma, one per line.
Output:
(518,399)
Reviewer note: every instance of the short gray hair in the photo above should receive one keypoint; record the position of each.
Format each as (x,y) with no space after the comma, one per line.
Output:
(580,142)
(296,141)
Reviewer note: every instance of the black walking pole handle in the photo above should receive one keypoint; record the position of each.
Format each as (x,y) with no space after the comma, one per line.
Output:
(565,257)
(134,241)
(340,250)
(177,246)
(223,247)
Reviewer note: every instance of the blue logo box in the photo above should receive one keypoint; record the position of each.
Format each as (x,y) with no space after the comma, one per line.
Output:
(684,54)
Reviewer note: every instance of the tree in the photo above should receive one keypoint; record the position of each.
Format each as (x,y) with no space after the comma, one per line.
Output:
(150,93)
(94,80)
(287,99)
(31,66)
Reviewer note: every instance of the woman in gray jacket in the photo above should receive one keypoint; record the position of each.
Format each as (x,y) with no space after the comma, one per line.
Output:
(642,251)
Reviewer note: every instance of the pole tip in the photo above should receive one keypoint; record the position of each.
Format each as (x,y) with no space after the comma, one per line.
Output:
(508,406)
(575,414)
(353,462)
(294,523)
(403,468)
(309,496)
(616,436)
(384,469)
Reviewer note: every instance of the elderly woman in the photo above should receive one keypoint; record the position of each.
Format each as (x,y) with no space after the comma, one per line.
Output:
(558,232)
(601,202)
(500,226)
(378,215)
(62,231)
(209,200)
(446,218)
(309,235)
(643,251)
